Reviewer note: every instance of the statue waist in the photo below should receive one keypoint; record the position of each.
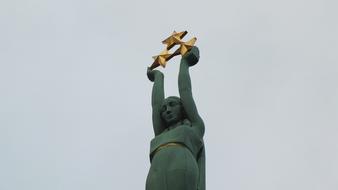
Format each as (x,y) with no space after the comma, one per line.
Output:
(168,145)
(183,136)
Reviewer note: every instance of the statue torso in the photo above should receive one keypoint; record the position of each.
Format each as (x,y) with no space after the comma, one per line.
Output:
(184,134)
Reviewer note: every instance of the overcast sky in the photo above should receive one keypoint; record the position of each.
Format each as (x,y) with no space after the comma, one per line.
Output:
(75,108)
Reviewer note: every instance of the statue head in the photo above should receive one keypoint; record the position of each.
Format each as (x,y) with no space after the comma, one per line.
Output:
(172,110)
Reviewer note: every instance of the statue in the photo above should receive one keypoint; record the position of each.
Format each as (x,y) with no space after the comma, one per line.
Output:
(177,152)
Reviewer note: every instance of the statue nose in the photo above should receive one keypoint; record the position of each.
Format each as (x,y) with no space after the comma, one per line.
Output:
(168,111)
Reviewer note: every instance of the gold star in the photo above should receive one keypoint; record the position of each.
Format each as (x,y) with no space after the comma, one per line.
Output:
(186,46)
(161,59)
(174,39)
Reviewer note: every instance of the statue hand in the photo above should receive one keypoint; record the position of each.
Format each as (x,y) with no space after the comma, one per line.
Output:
(192,56)
(152,74)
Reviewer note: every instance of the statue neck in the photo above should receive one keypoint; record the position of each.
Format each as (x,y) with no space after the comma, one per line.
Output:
(173,126)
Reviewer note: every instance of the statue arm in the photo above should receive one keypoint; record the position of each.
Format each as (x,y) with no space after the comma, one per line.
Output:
(184,85)
(157,98)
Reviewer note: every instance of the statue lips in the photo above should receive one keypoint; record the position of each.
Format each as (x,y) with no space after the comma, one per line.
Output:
(170,117)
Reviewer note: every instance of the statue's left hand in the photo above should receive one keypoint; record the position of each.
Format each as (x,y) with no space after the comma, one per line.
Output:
(192,56)
(152,74)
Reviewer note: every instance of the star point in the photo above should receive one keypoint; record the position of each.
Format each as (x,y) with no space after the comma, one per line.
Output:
(174,39)
(161,59)
(186,46)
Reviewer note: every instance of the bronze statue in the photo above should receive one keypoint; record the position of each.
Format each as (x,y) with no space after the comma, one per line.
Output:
(177,152)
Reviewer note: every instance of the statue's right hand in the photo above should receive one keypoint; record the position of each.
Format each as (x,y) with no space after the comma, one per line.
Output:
(153,73)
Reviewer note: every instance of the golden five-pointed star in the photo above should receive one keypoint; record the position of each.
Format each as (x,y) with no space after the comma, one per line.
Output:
(174,39)
(161,59)
(186,46)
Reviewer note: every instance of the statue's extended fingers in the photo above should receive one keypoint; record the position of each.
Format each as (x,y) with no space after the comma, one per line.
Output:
(195,51)
(192,57)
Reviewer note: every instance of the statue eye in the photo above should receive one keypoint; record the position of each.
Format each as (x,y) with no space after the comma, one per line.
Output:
(163,108)
(173,104)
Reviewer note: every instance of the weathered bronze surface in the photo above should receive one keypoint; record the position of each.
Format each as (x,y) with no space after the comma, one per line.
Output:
(177,152)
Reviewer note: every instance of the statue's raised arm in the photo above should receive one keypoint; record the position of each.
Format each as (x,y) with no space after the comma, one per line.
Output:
(157,98)
(185,90)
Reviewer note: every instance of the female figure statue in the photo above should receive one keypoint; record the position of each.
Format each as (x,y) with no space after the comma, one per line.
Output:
(177,152)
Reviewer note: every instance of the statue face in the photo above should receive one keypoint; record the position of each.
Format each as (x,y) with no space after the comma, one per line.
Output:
(172,110)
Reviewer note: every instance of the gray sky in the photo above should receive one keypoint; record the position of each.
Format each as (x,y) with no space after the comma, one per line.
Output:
(75,100)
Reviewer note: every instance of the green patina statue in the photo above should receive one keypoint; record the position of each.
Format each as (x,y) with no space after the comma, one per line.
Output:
(177,152)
